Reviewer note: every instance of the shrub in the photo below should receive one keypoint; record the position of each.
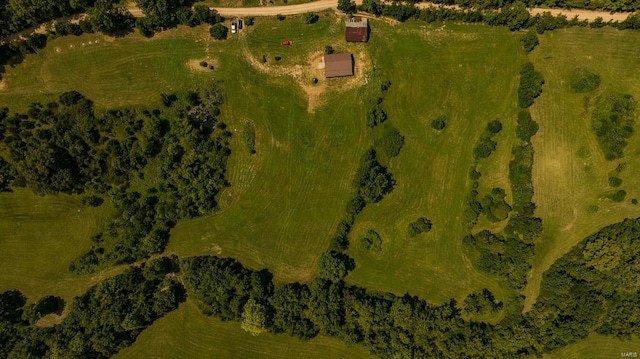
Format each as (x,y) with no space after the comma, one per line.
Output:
(583,80)
(391,142)
(494,127)
(612,122)
(310,18)
(371,242)
(530,85)
(530,40)
(421,225)
(439,123)
(280,17)
(328,50)
(277,58)
(92,201)
(484,148)
(218,31)
(617,196)
(527,127)
(614,181)
(249,21)
(204,64)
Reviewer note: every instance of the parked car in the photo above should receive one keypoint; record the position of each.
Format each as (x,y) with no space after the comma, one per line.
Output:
(239,24)
(286,43)
(233,28)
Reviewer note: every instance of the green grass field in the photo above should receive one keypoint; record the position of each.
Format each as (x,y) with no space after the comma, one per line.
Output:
(597,347)
(186,333)
(570,172)
(40,237)
(285,201)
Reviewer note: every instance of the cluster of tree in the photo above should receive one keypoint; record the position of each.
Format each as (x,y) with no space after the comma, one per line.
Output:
(483,302)
(582,80)
(371,242)
(66,147)
(612,123)
(163,14)
(375,113)
(495,206)
(529,40)
(530,87)
(420,225)
(390,143)
(101,322)
(594,287)
(486,145)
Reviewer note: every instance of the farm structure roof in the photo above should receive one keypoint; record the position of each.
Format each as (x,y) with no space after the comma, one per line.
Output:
(357,29)
(338,65)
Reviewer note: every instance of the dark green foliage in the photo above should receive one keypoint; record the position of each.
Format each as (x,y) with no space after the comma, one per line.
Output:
(527,127)
(335,266)
(634,201)
(530,85)
(494,205)
(48,305)
(372,180)
(612,123)
(375,114)
(328,50)
(371,242)
(614,181)
(249,21)
(617,196)
(420,225)
(400,11)
(594,287)
(7,175)
(346,6)
(484,148)
(373,7)
(249,137)
(92,201)
(280,17)
(439,123)
(481,303)
(218,31)
(583,80)
(11,303)
(222,286)
(494,127)
(530,40)
(310,18)
(391,142)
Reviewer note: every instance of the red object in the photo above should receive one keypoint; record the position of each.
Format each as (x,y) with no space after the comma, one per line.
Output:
(286,42)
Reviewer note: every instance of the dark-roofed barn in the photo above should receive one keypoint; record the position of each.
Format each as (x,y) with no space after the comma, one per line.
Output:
(357,29)
(338,65)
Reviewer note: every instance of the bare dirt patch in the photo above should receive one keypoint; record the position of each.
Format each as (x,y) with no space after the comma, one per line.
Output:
(50,320)
(314,68)
(195,66)
(3,85)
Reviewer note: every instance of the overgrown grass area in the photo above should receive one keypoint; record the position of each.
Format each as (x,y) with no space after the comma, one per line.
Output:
(570,170)
(40,236)
(186,333)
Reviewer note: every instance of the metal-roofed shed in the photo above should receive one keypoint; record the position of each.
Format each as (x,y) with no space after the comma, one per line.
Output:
(338,65)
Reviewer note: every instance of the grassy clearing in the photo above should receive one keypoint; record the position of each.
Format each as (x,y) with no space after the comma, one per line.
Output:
(39,236)
(454,72)
(186,333)
(570,172)
(597,347)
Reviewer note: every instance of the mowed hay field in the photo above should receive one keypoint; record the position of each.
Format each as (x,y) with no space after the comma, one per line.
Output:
(469,74)
(186,333)
(570,171)
(596,346)
(39,237)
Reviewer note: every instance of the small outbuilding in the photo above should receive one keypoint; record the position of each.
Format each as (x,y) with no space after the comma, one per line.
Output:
(357,29)
(338,65)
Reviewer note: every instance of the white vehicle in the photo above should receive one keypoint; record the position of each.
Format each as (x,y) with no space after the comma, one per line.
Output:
(233,28)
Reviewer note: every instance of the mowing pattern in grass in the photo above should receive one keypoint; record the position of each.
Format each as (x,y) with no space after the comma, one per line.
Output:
(39,236)
(186,333)
(570,172)
(596,346)
(453,74)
